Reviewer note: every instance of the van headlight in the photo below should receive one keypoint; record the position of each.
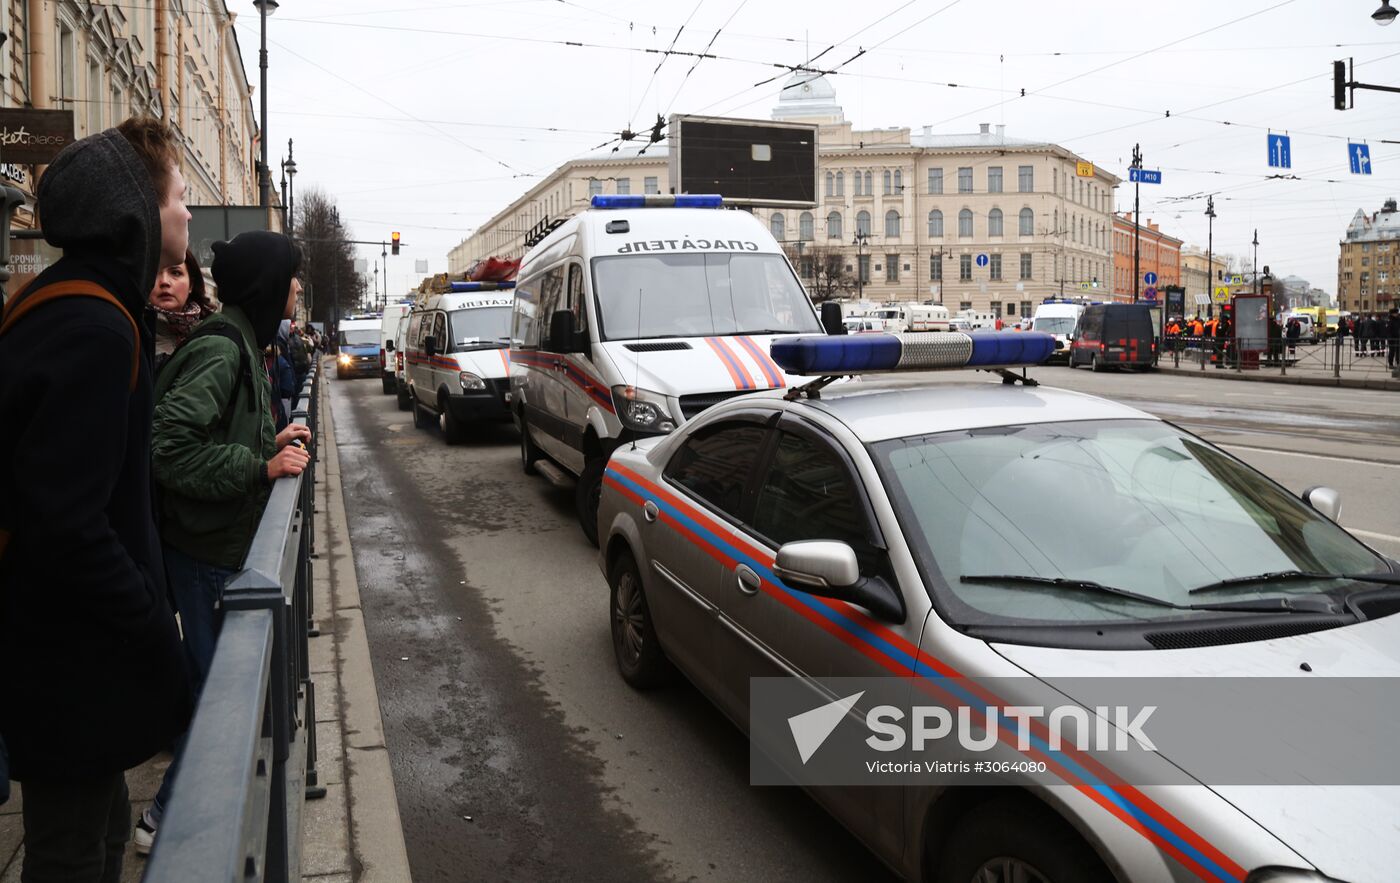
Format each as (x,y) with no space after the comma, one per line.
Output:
(642,410)
(344,359)
(470,382)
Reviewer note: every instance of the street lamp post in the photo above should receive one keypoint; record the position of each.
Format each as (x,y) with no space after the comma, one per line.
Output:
(859,242)
(1256,260)
(289,168)
(265,8)
(1210,254)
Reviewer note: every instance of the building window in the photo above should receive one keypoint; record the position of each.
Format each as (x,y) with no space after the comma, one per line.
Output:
(1026,309)
(808,268)
(994,179)
(996,267)
(891,268)
(898,181)
(891,224)
(965,179)
(67,62)
(996,308)
(864,265)
(833,225)
(624,186)
(840,183)
(964,305)
(886,177)
(777,225)
(805,223)
(935,268)
(965,223)
(863,223)
(830,185)
(649,185)
(869,185)
(1027,222)
(855,185)
(994,225)
(935,180)
(935,223)
(1025,265)
(964,268)
(94,104)
(595,187)
(1025,179)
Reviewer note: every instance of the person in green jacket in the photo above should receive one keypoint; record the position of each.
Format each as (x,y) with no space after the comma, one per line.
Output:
(214,451)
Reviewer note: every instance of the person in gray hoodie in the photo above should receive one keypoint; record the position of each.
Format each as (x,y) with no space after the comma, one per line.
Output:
(94,680)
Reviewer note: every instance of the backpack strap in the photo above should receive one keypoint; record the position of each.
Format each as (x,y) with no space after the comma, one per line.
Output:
(245,372)
(23,303)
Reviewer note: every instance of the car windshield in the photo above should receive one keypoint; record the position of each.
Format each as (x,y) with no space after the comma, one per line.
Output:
(699,295)
(480,326)
(1135,504)
(360,337)
(1054,325)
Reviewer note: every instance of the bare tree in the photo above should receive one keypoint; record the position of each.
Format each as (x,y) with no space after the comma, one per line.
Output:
(822,269)
(328,258)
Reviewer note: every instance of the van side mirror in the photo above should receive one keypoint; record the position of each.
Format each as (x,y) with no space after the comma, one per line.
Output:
(831,319)
(430,345)
(389,345)
(1325,500)
(829,569)
(563,338)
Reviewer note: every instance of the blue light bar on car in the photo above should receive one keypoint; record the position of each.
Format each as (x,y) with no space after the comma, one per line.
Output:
(481,286)
(640,200)
(920,351)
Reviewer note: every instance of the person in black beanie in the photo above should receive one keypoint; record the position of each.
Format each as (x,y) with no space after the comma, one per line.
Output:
(214,450)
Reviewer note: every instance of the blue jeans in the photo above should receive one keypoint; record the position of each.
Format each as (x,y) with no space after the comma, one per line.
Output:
(198,588)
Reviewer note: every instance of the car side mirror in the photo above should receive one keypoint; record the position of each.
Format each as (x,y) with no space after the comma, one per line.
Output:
(831,319)
(430,345)
(563,339)
(389,345)
(829,569)
(1325,500)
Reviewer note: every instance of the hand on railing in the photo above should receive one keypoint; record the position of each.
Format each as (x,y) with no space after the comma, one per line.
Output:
(293,432)
(291,460)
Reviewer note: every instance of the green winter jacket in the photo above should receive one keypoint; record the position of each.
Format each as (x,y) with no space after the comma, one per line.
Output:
(212,476)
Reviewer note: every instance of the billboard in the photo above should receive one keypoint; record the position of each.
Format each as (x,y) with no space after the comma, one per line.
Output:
(748,162)
(211,223)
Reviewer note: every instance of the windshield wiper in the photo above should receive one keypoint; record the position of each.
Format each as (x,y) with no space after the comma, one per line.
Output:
(1283,576)
(1254,605)
(769,331)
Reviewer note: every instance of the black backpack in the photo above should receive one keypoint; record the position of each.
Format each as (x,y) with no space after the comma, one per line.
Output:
(245,369)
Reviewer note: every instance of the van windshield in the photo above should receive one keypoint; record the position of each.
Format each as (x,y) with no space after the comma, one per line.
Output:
(1054,324)
(480,326)
(699,295)
(359,337)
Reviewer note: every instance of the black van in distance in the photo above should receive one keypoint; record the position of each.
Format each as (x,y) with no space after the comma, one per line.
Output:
(1114,336)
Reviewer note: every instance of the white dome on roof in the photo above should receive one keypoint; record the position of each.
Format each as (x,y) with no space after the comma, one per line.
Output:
(808,96)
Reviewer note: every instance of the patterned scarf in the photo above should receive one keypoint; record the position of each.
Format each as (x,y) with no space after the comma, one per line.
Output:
(180,323)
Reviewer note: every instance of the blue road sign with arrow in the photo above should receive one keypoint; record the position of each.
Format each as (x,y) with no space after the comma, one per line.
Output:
(1149,277)
(1145,176)
(1360,155)
(983,260)
(1280,151)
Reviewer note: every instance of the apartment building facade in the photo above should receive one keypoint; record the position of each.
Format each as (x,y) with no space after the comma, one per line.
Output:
(1157,253)
(1368,266)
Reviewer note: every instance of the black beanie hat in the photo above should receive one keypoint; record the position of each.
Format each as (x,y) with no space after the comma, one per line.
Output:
(254,273)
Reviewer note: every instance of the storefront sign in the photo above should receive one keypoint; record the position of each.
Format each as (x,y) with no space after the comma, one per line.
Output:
(34,136)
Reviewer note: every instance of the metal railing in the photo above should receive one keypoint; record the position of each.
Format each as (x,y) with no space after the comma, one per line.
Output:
(249,759)
(1335,357)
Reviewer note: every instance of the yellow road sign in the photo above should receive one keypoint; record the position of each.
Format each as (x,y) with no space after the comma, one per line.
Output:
(1222,294)
(1084,169)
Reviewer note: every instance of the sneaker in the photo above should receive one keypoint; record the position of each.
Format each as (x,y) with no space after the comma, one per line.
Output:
(145,835)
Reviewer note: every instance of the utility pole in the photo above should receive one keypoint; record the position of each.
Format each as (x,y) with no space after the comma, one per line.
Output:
(1256,260)
(384,246)
(1210,254)
(1137,222)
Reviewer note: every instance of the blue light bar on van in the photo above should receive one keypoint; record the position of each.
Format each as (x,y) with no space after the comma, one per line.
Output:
(482,286)
(641,200)
(919,351)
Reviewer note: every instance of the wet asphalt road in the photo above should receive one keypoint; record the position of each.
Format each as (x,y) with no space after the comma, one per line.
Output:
(488,629)
(487,620)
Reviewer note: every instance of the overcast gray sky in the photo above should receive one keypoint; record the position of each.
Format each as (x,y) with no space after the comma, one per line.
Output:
(428,117)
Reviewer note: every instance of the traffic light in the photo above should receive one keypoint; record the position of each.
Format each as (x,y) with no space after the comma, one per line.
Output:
(394,241)
(1339,85)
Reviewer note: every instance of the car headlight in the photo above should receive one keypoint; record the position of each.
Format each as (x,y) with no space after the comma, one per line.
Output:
(470,381)
(344,358)
(642,410)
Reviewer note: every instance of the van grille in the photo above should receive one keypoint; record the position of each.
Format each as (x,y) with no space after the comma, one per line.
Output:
(694,404)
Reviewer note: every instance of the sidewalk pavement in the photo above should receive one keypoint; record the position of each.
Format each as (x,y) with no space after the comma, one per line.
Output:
(1309,369)
(353,834)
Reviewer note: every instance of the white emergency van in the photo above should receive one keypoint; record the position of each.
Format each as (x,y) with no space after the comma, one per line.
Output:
(928,317)
(636,315)
(1059,318)
(400,368)
(388,341)
(457,358)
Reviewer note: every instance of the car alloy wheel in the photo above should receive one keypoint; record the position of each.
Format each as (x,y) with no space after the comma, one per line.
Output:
(630,619)
(1003,869)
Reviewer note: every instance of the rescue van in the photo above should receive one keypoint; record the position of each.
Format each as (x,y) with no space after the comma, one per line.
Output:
(1058,317)
(636,315)
(400,369)
(388,341)
(457,358)
(357,345)
(928,317)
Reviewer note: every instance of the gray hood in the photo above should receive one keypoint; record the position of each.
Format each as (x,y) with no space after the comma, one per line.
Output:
(96,200)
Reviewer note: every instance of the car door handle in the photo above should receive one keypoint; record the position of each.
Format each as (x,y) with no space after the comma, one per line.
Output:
(650,511)
(747,579)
